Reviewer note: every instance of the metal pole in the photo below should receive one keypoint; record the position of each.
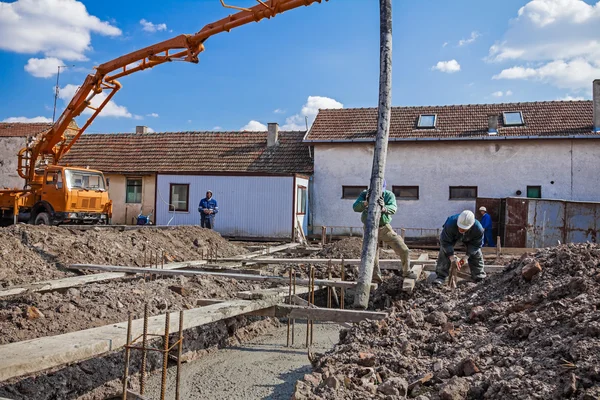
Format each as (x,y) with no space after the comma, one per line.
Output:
(308,319)
(289,322)
(342,275)
(329,287)
(294,321)
(179,351)
(127,356)
(163,383)
(312,326)
(144,351)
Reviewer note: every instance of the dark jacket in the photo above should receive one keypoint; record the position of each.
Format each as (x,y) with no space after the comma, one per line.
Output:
(472,239)
(210,204)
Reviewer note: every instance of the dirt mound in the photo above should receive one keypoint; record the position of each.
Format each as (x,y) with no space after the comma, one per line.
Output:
(348,248)
(507,338)
(102,304)
(34,253)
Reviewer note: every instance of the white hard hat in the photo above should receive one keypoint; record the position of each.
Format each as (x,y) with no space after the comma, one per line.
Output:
(466,219)
(482,208)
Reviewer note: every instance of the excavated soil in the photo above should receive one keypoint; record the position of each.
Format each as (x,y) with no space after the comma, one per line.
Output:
(101,304)
(35,253)
(506,338)
(348,248)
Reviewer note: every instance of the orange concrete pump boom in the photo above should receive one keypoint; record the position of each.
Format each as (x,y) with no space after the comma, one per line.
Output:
(53,144)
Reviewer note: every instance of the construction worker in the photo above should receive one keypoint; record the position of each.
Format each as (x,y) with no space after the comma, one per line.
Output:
(486,223)
(460,227)
(387,203)
(208,208)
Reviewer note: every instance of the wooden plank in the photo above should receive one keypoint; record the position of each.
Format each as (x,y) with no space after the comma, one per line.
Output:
(241,277)
(64,283)
(299,301)
(36,355)
(428,267)
(269,250)
(423,257)
(351,261)
(208,302)
(323,314)
(268,293)
(408,285)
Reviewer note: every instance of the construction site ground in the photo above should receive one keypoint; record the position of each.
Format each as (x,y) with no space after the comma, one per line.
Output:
(504,338)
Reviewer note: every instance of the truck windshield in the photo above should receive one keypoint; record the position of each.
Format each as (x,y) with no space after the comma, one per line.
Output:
(84,180)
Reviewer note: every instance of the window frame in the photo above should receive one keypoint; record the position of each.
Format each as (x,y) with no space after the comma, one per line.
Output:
(344,187)
(301,205)
(172,207)
(463,198)
(427,127)
(405,187)
(504,120)
(534,187)
(127,185)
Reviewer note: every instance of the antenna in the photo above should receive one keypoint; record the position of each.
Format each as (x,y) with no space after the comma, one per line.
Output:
(306,121)
(57,89)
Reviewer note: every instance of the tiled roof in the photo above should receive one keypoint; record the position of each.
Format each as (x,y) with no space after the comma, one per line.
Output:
(22,129)
(546,119)
(192,152)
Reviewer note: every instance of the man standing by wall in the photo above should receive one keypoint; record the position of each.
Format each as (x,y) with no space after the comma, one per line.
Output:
(208,208)
(486,223)
(465,228)
(388,205)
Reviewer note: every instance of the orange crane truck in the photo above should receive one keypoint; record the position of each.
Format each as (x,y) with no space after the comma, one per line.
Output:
(55,194)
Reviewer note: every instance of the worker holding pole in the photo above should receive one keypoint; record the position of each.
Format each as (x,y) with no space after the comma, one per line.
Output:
(387,204)
(460,227)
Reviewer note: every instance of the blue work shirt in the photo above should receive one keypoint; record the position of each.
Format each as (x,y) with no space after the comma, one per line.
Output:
(472,239)
(208,204)
(486,221)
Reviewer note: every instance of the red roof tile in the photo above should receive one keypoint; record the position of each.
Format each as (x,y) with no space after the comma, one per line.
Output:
(546,119)
(192,152)
(22,129)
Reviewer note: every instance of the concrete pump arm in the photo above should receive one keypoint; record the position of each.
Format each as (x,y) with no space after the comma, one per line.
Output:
(53,144)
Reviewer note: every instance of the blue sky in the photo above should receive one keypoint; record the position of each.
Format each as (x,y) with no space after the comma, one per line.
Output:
(283,69)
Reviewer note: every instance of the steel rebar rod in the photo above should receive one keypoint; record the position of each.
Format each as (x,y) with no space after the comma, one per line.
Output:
(127,357)
(144,351)
(179,351)
(163,382)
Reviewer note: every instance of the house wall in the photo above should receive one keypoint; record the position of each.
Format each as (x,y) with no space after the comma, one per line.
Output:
(124,212)
(249,206)
(9,147)
(497,168)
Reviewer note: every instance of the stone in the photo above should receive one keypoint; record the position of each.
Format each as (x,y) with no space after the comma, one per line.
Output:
(180,290)
(469,368)
(394,387)
(437,366)
(455,389)
(477,314)
(332,382)
(437,318)
(366,359)
(314,379)
(33,313)
(531,270)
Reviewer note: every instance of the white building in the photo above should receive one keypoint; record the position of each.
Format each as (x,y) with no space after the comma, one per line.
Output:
(259,179)
(440,159)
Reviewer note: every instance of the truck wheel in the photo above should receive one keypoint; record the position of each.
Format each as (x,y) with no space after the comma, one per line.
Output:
(42,219)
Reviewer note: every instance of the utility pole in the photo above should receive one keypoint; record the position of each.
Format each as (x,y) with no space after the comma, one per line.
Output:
(56,90)
(369,250)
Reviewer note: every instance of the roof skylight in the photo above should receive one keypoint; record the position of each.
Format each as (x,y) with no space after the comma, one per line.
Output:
(513,118)
(427,121)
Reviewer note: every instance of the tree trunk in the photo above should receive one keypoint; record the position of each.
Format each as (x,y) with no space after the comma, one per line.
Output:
(369,250)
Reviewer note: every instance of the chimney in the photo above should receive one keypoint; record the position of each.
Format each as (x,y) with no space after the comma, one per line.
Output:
(273,134)
(596,102)
(492,125)
(140,130)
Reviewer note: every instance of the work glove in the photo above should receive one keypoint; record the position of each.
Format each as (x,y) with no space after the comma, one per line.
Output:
(381,202)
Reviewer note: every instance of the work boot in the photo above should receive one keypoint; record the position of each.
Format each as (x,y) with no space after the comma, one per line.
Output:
(438,282)
(479,278)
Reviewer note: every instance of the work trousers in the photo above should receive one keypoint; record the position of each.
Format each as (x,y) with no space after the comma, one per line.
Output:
(488,238)
(388,236)
(207,221)
(475,265)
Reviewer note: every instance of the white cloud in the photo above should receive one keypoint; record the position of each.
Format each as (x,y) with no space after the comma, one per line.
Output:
(297,122)
(279,111)
(217,128)
(150,27)
(59,29)
(508,93)
(110,110)
(445,44)
(471,39)
(138,117)
(153,115)
(43,67)
(449,67)
(554,41)
(149,130)
(25,119)
(568,97)
(254,126)
(189,121)
(498,94)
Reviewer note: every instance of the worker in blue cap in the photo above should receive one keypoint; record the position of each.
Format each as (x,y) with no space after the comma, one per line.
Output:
(387,203)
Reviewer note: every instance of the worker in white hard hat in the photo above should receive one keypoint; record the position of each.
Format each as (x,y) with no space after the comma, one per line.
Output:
(460,227)
(486,223)
(208,208)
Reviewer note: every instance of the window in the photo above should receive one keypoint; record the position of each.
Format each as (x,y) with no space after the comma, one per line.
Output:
(406,192)
(352,192)
(301,200)
(179,197)
(77,179)
(133,192)
(463,192)
(534,192)
(513,118)
(427,121)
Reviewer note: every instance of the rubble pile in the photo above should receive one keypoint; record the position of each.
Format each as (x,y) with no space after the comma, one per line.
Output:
(30,253)
(350,247)
(531,332)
